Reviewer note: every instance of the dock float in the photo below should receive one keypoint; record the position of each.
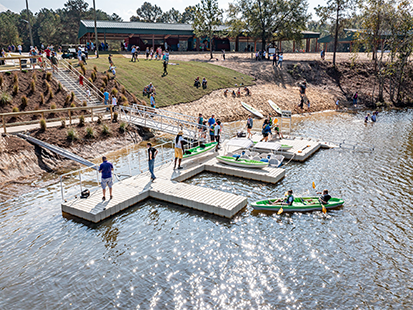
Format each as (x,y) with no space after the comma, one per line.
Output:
(168,187)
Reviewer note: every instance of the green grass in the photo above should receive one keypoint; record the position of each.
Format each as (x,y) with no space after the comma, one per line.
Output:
(177,86)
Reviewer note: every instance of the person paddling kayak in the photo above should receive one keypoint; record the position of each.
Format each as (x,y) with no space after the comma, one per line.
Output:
(324,198)
(285,201)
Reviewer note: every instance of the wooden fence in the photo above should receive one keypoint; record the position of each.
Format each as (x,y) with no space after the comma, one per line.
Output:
(43,112)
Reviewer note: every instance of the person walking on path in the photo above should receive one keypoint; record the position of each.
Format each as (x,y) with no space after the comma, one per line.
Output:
(274,59)
(55,62)
(223,54)
(280,60)
(106,169)
(165,68)
(152,152)
(106,95)
(179,149)
(266,130)
(250,123)
(337,104)
(355,96)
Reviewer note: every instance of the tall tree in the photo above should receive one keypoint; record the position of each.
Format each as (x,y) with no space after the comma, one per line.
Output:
(338,12)
(74,11)
(147,13)
(171,16)
(208,18)
(9,34)
(188,15)
(48,27)
(266,18)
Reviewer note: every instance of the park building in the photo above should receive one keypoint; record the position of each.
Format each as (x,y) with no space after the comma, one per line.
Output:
(181,37)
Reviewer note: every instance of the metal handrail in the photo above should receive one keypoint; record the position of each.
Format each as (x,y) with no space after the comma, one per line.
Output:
(141,155)
(93,88)
(165,112)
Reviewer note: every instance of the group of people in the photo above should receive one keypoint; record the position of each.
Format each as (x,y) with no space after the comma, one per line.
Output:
(372,117)
(214,126)
(238,93)
(197,83)
(289,199)
(150,91)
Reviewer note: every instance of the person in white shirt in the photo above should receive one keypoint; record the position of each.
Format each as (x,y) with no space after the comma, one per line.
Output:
(179,149)
(19,48)
(114,102)
(217,133)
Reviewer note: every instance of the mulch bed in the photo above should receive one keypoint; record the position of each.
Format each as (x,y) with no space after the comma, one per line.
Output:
(59,135)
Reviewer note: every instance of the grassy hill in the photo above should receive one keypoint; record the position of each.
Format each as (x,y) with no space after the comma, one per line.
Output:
(177,86)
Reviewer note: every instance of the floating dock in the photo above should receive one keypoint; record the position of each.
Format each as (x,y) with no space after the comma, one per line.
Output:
(168,187)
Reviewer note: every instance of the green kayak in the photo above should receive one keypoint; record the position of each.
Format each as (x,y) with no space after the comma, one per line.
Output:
(203,148)
(242,162)
(300,204)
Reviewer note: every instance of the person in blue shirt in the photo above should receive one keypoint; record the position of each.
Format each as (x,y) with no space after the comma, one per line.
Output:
(79,55)
(211,120)
(106,169)
(285,201)
(106,95)
(266,130)
(153,101)
(133,51)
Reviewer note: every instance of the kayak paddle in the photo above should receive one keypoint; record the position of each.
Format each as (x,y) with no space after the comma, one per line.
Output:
(322,205)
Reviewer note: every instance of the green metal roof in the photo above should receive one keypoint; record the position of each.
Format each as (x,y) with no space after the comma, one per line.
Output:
(349,36)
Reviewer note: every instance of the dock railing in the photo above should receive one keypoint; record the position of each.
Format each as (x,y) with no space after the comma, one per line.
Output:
(74,182)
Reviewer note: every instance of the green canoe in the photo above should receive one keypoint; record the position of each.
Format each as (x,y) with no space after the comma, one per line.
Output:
(242,162)
(309,204)
(199,149)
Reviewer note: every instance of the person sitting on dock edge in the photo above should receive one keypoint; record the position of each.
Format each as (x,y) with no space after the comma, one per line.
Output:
(179,149)
(152,152)
(106,169)
(285,201)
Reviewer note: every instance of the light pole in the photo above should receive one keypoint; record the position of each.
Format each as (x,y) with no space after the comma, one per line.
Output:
(28,21)
(96,32)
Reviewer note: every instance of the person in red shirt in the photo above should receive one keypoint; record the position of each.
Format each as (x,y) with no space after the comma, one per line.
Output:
(47,51)
(81,80)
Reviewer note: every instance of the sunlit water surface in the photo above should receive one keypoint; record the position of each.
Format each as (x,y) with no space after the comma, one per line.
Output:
(156,256)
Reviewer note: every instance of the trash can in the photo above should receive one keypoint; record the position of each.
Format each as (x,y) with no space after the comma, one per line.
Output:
(24,63)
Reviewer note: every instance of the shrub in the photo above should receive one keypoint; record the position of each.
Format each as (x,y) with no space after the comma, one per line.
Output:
(49,76)
(105,129)
(25,101)
(123,98)
(72,134)
(115,116)
(93,75)
(32,86)
(73,105)
(43,125)
(34,76)
(24,71)
(102,90)
(59,87)
(5,98)
(143,102)
(15,109)
(108,76)
(7,73)
(67,100)
(126,104)
(95,68)
(72,96)
(105,79)
(70,66)
(53,106)
(63,122)
(37,107)
(51,95)
(83,69)
(123,90)
(114,92)
(82,120)
(100,118)
(84,103)
(1,81)
(90,80)
(123,126)
(89,132)
(41,98)
(15,89)
(104,83)
(48,86)
(15,79)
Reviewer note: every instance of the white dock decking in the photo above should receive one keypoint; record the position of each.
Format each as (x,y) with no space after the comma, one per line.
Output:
(167,187)
(301,149)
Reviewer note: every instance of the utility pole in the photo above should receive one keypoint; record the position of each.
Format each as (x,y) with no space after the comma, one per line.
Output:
(30,26)
(96,31)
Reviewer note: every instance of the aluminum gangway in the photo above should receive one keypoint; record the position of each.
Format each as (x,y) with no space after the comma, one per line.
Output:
(165,121)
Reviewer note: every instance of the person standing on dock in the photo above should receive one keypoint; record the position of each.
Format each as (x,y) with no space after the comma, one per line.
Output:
(152,152)
(179,149)
(217,131)
(106,169)
(250,123)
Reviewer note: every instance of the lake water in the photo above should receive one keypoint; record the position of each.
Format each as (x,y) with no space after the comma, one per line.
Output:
(157,256)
